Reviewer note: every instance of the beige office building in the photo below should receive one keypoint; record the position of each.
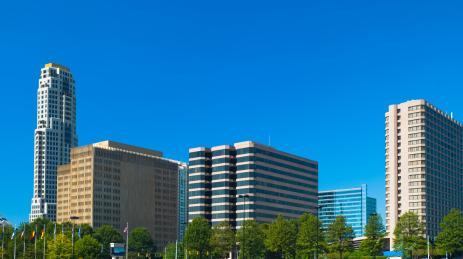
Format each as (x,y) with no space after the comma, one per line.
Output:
(424,156)
(113,183)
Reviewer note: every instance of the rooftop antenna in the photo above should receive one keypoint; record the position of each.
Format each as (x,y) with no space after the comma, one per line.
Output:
(451,115)
(269,140)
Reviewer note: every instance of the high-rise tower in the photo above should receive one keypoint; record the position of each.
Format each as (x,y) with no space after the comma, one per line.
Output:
(54,136)
(424,164)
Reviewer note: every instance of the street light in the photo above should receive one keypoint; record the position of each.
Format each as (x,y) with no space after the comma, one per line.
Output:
(244,196)
(319,207)
(72,218)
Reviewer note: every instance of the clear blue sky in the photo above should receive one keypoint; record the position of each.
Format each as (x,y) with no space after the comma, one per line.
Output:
(315,75)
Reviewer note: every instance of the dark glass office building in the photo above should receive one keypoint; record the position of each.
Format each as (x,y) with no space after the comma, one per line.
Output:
(248,181)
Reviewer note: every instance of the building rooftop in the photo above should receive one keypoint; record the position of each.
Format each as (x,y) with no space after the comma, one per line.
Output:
(107,144)
(57,66)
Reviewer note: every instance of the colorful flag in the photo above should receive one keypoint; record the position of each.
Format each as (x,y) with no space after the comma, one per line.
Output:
(14,234)
(43,233)
(23,232)
(126,228)
(78,233)
(32,235)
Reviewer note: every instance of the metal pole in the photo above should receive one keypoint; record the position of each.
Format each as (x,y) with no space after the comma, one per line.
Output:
(35,242)
(428,247)
(14,250)
(127,242)
(44,241)
(72,237)
(3,237)
(176,251)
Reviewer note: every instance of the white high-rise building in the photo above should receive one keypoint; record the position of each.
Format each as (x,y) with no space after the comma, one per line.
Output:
(424,164)
(55,135)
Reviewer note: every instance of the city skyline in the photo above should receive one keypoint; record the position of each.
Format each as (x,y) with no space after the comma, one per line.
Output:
(315,86)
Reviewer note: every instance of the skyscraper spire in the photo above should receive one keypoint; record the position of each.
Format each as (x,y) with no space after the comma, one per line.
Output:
(55,135)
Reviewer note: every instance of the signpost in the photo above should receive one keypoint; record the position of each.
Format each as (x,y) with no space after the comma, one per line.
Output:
(117,250)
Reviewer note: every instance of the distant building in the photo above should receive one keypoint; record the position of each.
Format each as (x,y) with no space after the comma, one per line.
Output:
(182,200)
(54,135)
(113,183)
(354,204)
(248,180)
(424,168)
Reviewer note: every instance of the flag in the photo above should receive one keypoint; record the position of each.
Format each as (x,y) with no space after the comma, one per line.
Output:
(78,233)
(54,232)
(23,232)
(126,229)
(32,235)
(14,234)
(43,233)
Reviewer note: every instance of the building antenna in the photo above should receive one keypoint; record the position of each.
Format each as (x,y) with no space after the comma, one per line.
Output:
(269,140)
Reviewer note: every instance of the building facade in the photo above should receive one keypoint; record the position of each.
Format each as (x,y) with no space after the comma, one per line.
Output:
(354,204)
(113,183)
(182,200)
(54,136)
(424,156)
(249,181)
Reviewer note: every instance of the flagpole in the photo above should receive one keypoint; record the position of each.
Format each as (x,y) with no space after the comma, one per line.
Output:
(44,241)
(14,250)
(3,237)
(24,242)
(127,242)
(35,242)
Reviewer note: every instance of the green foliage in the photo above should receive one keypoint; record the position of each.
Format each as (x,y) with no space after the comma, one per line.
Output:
(107,234)
(409,233)
(450,238)
(222,240)
(197,238)
(310,238)
(374,233)
(339,236)
(170,251)
(281,237)
(251,240)
(140,241)
(87,247)
(61,248)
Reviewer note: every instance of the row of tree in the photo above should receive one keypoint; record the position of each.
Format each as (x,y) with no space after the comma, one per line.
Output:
(55,240)
(283,238)
(305,238)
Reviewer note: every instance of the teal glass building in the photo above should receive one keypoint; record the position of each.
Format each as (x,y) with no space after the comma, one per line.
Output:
(354,204)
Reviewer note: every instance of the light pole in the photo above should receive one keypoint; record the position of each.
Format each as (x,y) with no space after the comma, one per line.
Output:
(72,218)
(319,207)
(244,196)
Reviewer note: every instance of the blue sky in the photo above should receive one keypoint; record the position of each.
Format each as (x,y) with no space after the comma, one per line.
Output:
(317,76)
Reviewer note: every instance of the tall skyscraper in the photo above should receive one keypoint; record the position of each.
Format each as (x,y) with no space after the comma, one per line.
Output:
(54,137)
(424,156)
(250,181)
(353,203)
(110,183)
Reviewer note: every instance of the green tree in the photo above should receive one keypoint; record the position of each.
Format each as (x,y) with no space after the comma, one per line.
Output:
(310,238)
(251,239)
(140,241)
(61,248)
(374,233)
(450,238)
(105,235)
(222,240)
(409,233)
(170,251)
(339,236)
(87,247)
(197,237)
(281,237)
